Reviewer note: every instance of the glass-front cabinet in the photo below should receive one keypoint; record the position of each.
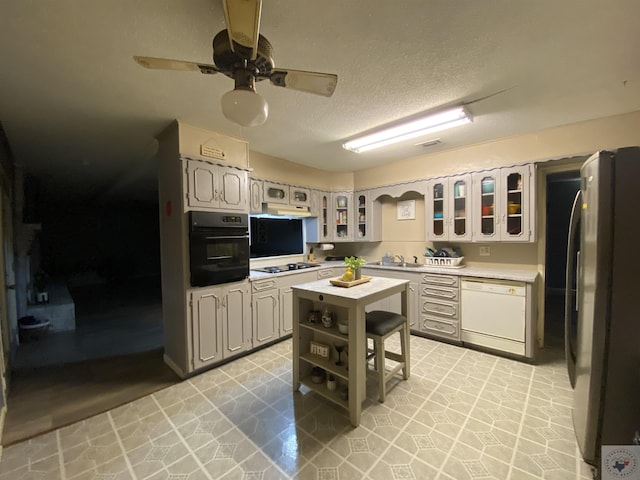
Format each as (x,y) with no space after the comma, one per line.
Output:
(448,209)
(504,205)
(275,193)
(487,210)
(299,196)
(368,220)
(318,226)
(343,217)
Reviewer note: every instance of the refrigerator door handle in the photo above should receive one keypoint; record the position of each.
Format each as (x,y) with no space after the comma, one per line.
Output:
(571,276)
(577,277)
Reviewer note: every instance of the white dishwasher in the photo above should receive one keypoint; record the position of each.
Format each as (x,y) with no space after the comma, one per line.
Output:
(493,314)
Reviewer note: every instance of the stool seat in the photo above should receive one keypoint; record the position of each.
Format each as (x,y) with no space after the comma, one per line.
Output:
(381,325)
(380,322)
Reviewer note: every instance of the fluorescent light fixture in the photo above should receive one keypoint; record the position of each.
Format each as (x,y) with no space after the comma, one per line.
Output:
(413,128)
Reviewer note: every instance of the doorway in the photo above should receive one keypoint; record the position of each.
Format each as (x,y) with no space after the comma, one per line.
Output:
(561,189)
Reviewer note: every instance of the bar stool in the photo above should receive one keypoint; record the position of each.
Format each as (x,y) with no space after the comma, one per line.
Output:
(380,325)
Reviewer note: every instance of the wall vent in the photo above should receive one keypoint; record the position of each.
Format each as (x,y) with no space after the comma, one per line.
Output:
(429,143)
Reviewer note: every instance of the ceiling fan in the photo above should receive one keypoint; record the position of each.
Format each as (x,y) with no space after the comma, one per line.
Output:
(241,53)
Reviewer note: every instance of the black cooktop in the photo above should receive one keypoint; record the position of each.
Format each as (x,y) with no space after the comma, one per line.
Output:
(286,268)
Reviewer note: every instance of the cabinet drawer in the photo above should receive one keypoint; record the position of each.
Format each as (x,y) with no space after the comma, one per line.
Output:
(262,285)
(440,308)
(326,273)
(446,293)
(437,279)
(440,328)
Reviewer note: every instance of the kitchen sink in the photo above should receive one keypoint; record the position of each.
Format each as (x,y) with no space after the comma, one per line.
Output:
(397,264)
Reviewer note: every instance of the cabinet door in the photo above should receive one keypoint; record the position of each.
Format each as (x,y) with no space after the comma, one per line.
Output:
(368,218)
(275,193)
(436,210)
(325,229)
(286,311)
(516,209)
(503,206)
(314,203)
(255,196)
(486,206)
(343,217)
(202,181)
(233,189)
(299,197)
(236,320)
(459,224)
(265,317)
(206,327)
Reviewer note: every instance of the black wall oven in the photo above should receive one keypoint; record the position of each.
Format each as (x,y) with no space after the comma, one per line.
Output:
(218,247)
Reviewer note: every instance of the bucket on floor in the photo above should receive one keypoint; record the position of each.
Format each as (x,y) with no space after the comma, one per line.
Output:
(31,329)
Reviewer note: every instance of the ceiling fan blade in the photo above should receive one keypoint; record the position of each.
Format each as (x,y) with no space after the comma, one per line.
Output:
(243,24)
(168,64)
(310,82)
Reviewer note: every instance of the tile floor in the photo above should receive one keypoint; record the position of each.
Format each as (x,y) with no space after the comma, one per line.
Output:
(463,414)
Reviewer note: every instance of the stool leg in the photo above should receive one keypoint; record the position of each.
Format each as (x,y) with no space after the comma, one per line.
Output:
(380,368)
(404,350)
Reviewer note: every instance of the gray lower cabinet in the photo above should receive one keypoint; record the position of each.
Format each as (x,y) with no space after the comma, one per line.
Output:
(393,303)
(220,323)
(440,313)
(272,303)
(264,300)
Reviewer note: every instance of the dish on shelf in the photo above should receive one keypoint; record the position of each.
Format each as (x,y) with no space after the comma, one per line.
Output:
(513,208)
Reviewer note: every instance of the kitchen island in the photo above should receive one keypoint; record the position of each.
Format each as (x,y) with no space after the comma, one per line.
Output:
(311,339)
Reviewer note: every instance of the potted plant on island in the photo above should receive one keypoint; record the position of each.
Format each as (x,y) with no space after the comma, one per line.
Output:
(353,272)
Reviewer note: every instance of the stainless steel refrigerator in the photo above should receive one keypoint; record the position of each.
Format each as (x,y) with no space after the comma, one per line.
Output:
(602,313)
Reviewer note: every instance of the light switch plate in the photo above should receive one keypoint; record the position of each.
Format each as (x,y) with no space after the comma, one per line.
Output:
(485,251)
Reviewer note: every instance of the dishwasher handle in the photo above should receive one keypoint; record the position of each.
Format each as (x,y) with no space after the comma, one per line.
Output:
(501,287)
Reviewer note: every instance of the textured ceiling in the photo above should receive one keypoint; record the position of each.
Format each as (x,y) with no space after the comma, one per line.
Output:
(81,114)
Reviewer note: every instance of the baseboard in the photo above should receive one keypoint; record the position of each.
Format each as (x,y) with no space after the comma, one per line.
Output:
(3,416)
(172,365)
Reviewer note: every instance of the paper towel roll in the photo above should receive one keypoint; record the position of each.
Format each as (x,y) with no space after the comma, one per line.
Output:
(326,246)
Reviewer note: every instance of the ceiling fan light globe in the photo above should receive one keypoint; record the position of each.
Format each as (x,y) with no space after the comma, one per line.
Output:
(245,107)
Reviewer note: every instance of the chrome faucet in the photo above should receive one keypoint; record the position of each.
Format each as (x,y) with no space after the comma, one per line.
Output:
(402,262)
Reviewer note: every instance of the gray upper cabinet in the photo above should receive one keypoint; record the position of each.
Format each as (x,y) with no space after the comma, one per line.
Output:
(318,228)
(275,193)
(215,187)
(504,204)
(448,209)
(299,196)
(368,217)
(255,196)
(343,217)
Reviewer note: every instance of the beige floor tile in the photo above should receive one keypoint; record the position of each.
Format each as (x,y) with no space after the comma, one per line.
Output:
(463,414)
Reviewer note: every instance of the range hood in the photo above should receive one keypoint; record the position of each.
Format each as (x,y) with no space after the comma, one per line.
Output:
(285,210)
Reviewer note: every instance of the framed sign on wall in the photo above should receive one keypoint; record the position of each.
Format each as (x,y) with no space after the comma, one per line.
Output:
(407,210)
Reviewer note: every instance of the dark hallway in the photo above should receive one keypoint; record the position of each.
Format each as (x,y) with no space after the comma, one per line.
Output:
(561,191)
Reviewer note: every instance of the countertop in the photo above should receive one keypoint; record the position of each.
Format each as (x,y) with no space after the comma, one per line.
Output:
(358,292)
(494,272)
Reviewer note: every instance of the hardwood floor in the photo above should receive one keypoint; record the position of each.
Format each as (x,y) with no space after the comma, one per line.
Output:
(113,357)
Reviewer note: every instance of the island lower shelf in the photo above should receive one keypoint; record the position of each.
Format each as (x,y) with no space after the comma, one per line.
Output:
(321,389)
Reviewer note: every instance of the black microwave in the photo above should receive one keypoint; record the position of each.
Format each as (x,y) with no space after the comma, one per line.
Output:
(218,247)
